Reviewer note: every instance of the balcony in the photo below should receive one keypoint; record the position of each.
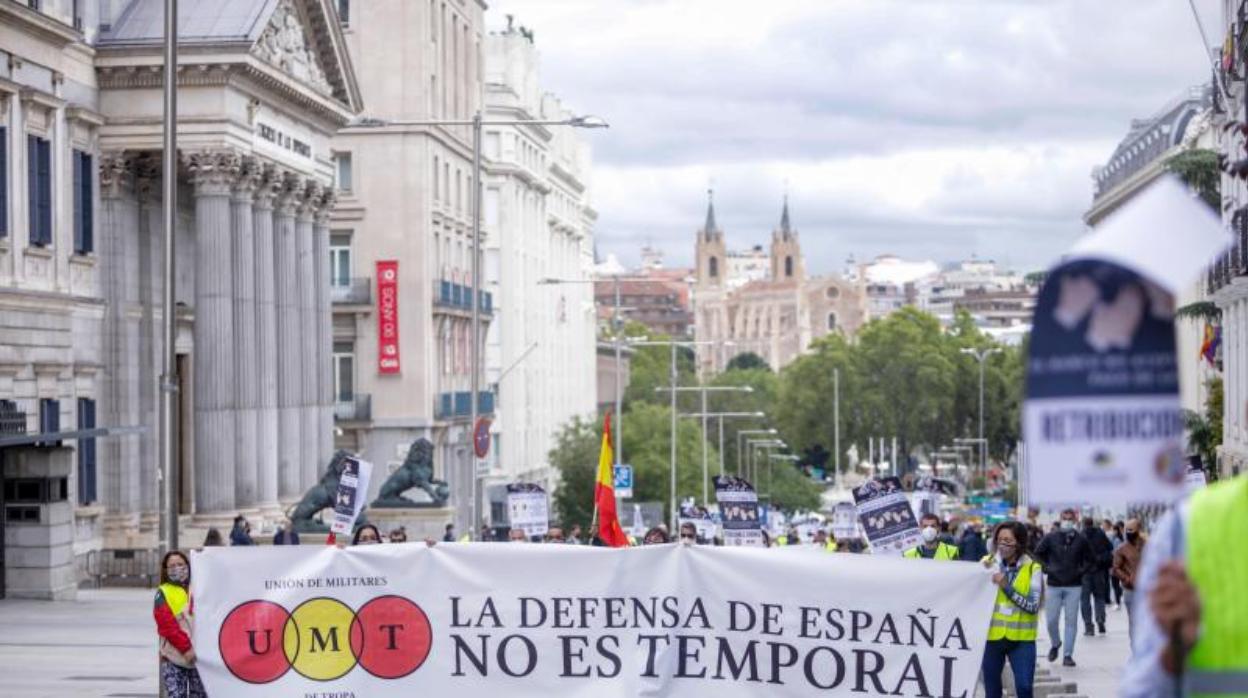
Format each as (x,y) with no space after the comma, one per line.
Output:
(12,420)
(458,404)
(354,291)
(458,297)
(1234,262)
(357,409)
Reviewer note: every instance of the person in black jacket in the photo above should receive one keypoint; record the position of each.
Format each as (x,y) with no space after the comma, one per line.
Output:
(1095,590)
(1066,557)
(972,547)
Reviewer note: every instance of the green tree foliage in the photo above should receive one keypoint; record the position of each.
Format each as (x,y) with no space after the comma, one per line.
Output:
(747,361)
(787,487)
(1198,168)
(1204,431)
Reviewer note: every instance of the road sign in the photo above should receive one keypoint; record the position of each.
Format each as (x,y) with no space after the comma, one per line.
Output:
(624,481)
(481,438)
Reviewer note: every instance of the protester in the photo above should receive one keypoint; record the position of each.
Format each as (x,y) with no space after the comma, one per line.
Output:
(398,535)
(174,614)
(554,534)
(946,534)
(575,536)
(972,546)
(516,535)
(213,539)
(932,548)
(1095,591)
(1015,615)
(656,536)
(688,533)
(241,533)
(366,535)
(821,540)
(1126,564)
(1189,596)
(286,535)
(449,536)
(1066,557)
(1117,540)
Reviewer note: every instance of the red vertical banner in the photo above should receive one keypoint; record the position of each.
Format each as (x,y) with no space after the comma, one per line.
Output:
(388,316)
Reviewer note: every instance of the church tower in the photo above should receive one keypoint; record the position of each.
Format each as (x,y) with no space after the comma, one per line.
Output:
(710,250)
(786,251)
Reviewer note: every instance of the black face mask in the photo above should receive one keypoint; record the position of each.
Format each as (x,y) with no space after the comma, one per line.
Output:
(1132,536)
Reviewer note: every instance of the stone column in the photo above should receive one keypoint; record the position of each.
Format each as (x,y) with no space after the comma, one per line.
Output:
(116,215)
(213,174)
(147,177)
(246,366)
(266,344)
(324,332)
(307,339)
(289,352)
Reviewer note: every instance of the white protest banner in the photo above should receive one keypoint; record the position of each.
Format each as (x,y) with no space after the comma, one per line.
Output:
(738,506)
(844,521)
(701,519)
(352,491)
(489,620)
(886,517)
(528,508)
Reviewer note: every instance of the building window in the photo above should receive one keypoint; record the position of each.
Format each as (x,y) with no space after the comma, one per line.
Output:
(49,419)
(344,372)
(342,171)
(340,260)
(84,224)
(714,267)
(788,266)
(86,453)
(4,182)
(436,170)
(831,322)
(39,186)
(833,293)
(344,12)
(36,5)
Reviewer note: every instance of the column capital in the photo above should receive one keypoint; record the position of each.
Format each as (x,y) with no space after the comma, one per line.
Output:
(309,201)
(325,205)
(213,172)
(115,174)
(289,193)
(146,170)
(269,180)
(250,174)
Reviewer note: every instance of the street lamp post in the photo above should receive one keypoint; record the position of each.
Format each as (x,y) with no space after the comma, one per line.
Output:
(704,389)
(981,355)
(477,122)
(169,212)
(746,432)
(751,445)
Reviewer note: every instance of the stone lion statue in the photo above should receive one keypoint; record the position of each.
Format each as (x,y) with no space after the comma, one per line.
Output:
(321,496)
(416,471)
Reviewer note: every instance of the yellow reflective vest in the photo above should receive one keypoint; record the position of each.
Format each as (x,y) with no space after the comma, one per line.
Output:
(944,551)
(1218,664)
(1009,622)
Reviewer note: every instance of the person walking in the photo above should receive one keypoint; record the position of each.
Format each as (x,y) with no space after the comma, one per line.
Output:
(174,614)
(286,535)
(933,548)
(1015,614)
(449,535)
(1116,539)
(1066,557)
(1126,563)
(241,533)
(972,546)
(1095,592)
(1190,606)
(213,539)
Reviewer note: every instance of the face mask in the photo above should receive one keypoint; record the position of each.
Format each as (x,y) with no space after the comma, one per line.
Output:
(1132,536)
(179,575)
(929,534)
(1068,525)
(1005,551)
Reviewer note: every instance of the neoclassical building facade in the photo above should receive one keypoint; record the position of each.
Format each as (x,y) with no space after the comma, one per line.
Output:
(775,317)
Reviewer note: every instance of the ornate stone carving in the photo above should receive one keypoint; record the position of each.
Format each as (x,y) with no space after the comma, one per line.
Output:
(416,472)
(284,44)
(310,199)
(249,177)
(115,174)
(289,193)
(213,172)
(146,168)
(267,185)
(325,205)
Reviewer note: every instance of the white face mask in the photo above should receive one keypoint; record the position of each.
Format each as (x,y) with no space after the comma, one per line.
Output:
(1068,525)
(179,575)
(929,534)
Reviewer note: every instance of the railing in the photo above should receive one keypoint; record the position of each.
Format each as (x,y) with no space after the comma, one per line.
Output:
(355,291)
(459,404)
(358,409)
(12,420)
(447,294)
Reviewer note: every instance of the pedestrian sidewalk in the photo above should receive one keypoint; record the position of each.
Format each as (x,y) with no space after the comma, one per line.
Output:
(1100,659)
(103,644)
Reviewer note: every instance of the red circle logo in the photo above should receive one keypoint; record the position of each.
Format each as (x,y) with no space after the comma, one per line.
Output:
(391,636)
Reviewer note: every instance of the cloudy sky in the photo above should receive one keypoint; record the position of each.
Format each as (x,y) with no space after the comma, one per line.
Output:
(925,128)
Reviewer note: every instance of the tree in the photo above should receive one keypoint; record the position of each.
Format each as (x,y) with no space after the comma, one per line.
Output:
(1205,430)
(804,406)
(764,385)
(575,456)
(746,362)
(1198,168)
(787,487)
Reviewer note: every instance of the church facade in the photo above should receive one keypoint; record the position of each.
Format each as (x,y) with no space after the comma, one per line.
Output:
(777,316)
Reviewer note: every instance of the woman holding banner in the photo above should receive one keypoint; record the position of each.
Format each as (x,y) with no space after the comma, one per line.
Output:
(173,613)
(1012,634)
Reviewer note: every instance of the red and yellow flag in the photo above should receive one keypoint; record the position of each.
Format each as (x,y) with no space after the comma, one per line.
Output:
(609,529)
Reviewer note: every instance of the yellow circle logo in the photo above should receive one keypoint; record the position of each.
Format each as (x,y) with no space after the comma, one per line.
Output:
(317,639)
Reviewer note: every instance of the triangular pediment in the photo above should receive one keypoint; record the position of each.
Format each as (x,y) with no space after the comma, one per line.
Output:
(301,39)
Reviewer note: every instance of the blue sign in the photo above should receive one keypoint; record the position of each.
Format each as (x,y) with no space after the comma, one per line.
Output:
(623,481)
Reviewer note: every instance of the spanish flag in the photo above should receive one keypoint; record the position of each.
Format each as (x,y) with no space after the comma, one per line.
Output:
(609,529)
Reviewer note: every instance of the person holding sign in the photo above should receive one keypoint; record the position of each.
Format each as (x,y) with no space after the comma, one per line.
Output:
(173,612)
(1016,613)
(932,548)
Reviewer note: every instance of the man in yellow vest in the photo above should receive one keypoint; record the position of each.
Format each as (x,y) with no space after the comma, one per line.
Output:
(932,548)
(822,540)
(1191,609)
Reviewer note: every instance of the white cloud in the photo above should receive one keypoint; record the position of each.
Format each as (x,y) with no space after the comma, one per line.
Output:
(925,128)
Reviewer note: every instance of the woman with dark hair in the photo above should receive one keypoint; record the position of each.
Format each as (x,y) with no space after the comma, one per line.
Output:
(213,539)
(366,535)
(174,613)
(656,536)
(1015,614)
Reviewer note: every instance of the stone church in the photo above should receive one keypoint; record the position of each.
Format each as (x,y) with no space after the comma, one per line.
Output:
(776,316)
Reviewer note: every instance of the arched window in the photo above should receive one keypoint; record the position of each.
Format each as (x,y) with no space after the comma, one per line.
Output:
(788,266)
(833,293)
(831,322)
(714,267)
